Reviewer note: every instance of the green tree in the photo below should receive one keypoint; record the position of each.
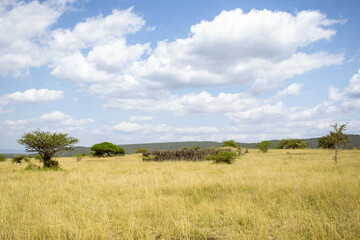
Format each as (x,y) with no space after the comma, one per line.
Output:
(107,148)
(2,158)
(326,142)
(47,144)
(230,143)
(141,150)
(263,146)
(338,137)
(292,143)
(19,159)
(223,157)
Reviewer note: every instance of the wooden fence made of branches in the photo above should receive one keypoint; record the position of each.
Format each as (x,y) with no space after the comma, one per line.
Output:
(179,155)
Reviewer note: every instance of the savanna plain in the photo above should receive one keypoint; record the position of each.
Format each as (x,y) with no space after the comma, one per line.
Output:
(282,194)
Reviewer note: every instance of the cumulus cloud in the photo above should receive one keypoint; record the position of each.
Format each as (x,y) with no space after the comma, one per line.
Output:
(290,91)
(64,119)
(23,43)
(353,90)
(31,96)
(141,118)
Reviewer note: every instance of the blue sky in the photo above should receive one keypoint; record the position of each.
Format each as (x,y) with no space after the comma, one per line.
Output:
(135,71)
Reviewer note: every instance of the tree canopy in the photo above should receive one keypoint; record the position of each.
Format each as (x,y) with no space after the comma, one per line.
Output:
(292,143)
(338,137)
(230,143)
(107,148)
(47,144)
(263,146)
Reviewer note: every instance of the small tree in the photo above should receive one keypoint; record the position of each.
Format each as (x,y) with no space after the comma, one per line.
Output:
(326,142)
(19,159)
(141,150)
(47,144)
(230,143)
(292,143)
(338,137)
(223,157)
(263,146)
(107,148)
(2,158)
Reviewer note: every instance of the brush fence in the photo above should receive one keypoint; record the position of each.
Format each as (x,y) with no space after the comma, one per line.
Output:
(179,155)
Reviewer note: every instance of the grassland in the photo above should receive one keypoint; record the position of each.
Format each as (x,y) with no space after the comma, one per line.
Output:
(283,194)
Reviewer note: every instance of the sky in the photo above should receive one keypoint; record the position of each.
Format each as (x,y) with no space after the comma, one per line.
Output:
(137,71)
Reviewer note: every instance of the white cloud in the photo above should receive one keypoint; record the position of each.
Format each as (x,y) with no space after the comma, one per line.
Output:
(141,118)
(61,118)
(13,123)
(290,91)
(197,130)
(23,43)
(31,96)
(192,103)
(334,94)
(353,90)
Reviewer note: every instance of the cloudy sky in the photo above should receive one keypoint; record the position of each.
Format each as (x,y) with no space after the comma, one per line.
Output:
(136,71)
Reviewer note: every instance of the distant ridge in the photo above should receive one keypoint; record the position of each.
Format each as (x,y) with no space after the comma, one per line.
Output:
(354,141)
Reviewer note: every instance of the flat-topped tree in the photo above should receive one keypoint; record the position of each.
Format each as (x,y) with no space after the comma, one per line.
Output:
(47,144)
(107,149)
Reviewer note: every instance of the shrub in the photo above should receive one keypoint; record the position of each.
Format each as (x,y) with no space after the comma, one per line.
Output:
(263,146)
(80,155)
(19,159)
(141,150)
(292,143)
(230,143)
(223,157)
(2,158)
(32,166)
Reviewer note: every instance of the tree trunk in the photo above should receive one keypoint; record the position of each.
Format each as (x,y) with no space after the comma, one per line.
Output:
(336,150)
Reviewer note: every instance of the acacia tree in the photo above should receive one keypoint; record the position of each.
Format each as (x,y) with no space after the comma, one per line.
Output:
(263,146)
(338,137)
(107,148)
(47,144)
(230,143)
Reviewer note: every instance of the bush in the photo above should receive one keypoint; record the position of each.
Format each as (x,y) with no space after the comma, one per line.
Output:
(223,157)
(80,155)
(2,158)
(19,159)
(230,143)
(292,143)
(141,150)
(263,146)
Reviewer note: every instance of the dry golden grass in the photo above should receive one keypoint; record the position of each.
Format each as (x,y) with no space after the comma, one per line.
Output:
(282,194)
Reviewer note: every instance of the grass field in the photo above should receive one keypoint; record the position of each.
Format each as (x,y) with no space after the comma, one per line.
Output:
(283,194)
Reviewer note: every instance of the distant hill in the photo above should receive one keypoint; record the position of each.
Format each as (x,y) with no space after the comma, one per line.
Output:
(354,141)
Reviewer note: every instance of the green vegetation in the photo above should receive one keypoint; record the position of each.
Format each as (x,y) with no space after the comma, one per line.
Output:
(107,149)
(230,143)
(2,158)
(141,150)
(80,155)
(19,159)
(263,146)
(292,144)
(338,137)
(47,144)
(326,142)
(223,157)
(191,154)
(261,196)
